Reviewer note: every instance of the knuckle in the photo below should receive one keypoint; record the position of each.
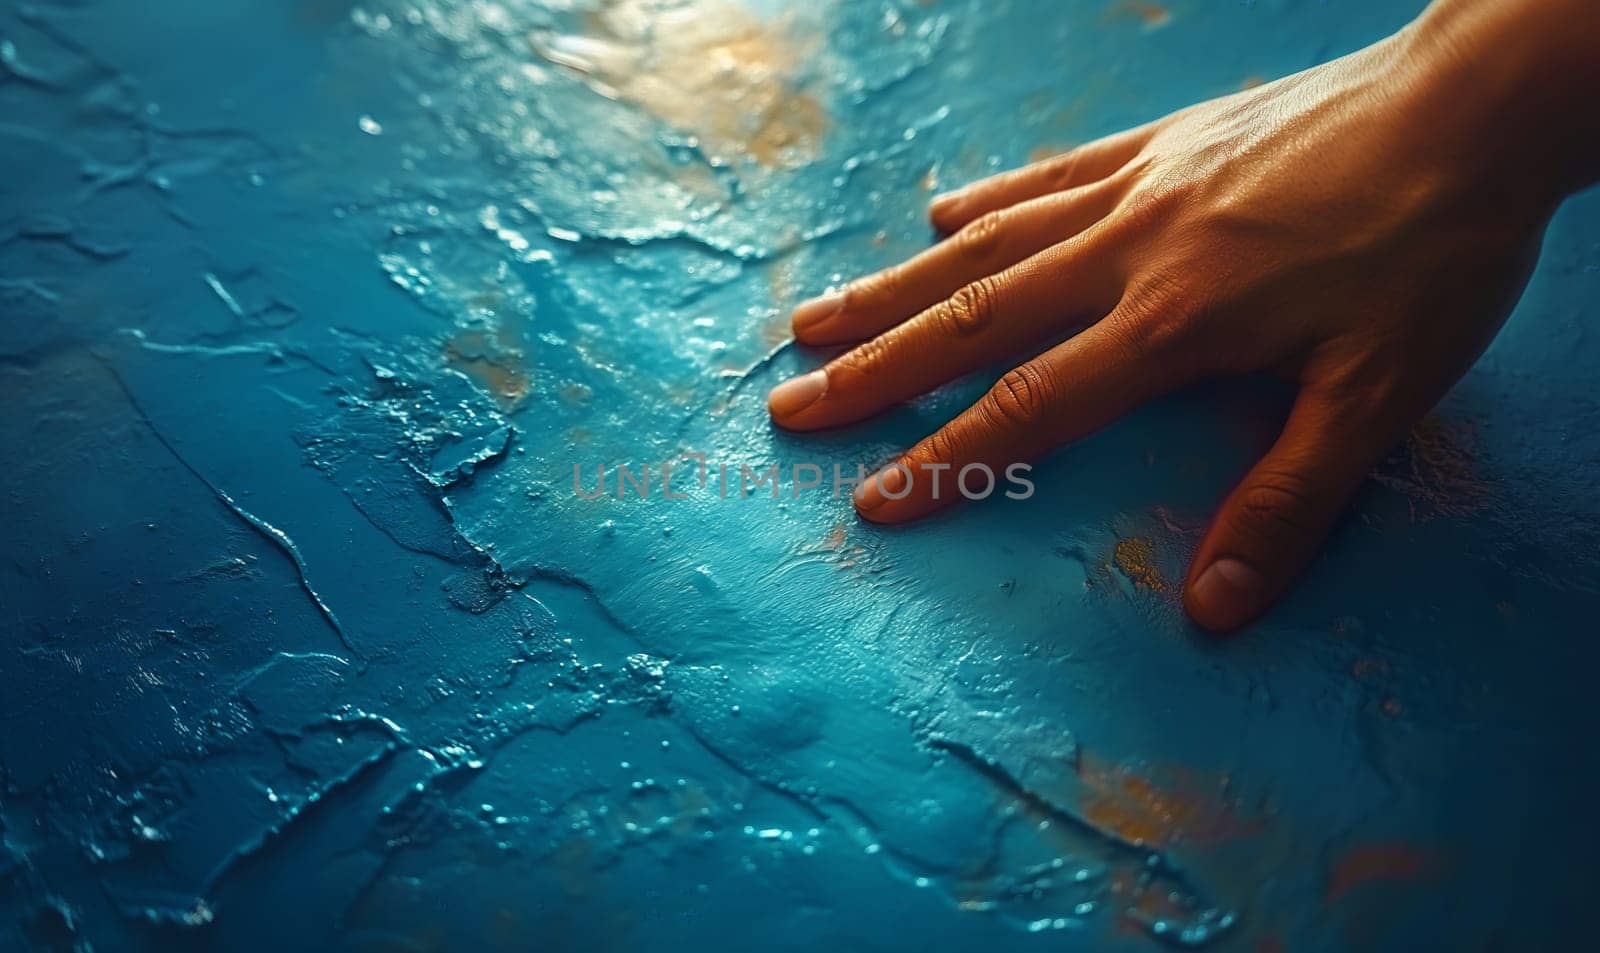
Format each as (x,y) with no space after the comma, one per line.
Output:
(876,290)
(1277,504)
(1175,186)
(980,238)
(970,309)
(1062,171)
(1153,294)
(1144,210)
(1132,335)
(1155,320)
(1364,386)
(1022,398)
(867,357)
(938,447)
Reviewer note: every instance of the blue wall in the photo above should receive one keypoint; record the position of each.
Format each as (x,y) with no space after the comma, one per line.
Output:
(308,310)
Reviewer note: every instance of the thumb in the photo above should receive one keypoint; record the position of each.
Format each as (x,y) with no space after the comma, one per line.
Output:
(1273,523)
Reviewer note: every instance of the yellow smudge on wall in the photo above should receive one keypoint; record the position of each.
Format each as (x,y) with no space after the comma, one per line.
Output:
(494,359)
(575,393)
(783,282)
(1135,557)
(1152,15)
(1160,805)
(709,68)
(776,332)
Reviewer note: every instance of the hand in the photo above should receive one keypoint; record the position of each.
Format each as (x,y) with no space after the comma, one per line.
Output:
(1355,227)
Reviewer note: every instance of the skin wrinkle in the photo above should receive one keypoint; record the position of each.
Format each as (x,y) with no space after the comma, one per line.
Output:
(981,236)
(1361,228)
(970,309)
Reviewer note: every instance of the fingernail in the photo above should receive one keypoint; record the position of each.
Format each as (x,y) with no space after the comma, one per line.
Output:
(887,484)
(1228,594)
(944,205)
(793,396)
(809,314)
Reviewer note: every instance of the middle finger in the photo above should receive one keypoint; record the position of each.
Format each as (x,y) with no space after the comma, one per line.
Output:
(872,305)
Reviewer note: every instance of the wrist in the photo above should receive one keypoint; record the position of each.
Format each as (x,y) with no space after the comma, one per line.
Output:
(1509,87)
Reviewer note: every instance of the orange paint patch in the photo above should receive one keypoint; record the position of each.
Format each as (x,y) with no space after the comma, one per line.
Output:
(776,331)
(707,67)
(837,548)
(1378,863)
(1367,668)
(1135,557)
(1152,15)
(1164,807)
(1141,906)
(494,359)
(782,282)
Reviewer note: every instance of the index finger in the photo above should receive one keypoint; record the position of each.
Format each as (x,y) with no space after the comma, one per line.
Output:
(1084,165)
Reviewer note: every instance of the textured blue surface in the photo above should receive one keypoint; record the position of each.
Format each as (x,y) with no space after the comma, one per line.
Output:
(308,310)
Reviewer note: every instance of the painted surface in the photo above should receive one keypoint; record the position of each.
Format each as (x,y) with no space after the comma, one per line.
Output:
(307,312)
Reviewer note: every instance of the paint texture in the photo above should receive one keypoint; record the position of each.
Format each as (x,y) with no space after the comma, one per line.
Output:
(310,308)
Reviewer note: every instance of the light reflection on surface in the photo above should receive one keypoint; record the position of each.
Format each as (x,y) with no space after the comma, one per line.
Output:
(711,68)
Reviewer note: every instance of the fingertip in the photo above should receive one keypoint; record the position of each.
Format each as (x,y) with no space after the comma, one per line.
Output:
(810,317)
(882,487)
(890,496)
(807,337)
(891,513)
(876,517)
(945,212)
(789,399)
(1226,595)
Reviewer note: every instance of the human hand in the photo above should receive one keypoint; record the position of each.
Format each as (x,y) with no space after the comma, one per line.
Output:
(1345,227)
